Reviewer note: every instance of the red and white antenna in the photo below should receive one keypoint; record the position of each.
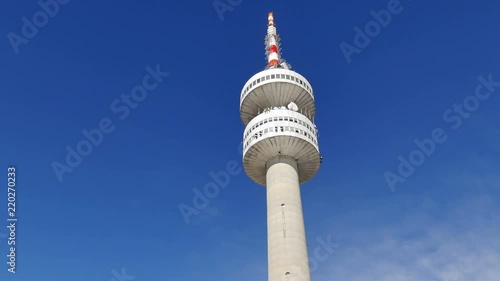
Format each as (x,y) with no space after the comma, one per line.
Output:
(272,43)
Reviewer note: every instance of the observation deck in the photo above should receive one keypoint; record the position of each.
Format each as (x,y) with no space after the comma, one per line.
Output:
(275,87)
(284,132)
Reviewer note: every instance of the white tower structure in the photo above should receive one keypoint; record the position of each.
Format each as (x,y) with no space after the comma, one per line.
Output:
(280,151)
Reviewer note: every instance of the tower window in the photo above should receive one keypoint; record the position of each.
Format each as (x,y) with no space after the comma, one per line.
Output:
(272,76)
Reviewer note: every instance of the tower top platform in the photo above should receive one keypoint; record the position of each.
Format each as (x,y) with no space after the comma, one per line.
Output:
(275,87)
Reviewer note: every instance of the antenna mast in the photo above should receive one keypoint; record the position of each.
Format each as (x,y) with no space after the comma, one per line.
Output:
(272,42)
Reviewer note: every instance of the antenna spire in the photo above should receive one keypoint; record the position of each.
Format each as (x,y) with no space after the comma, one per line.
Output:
(272,43)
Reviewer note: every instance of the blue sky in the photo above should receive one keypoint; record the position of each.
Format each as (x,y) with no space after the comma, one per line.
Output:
(119,207)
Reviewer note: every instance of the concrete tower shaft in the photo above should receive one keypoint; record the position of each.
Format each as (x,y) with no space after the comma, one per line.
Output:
(280,151)
(286,237)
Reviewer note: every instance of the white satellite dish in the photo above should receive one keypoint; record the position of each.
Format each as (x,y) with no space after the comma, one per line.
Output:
(293,106)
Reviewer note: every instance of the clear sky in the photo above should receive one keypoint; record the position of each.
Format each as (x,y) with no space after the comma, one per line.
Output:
(118,208)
